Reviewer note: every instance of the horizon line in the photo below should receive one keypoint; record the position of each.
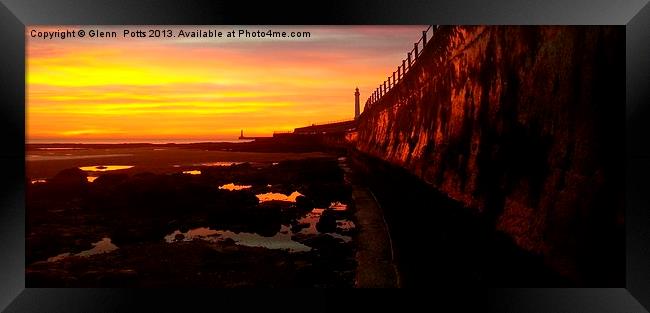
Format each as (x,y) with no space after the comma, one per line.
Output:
(137,142)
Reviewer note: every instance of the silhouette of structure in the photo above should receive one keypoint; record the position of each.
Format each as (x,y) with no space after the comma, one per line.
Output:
(333,127)
(336,127)
(356,104)
(242,137)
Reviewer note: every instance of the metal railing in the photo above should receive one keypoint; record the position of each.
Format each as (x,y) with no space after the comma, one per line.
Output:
(402,69)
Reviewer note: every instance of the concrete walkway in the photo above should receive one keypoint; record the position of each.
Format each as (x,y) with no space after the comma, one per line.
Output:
(375,265)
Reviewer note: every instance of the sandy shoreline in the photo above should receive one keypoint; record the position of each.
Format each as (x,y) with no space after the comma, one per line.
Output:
(46,163)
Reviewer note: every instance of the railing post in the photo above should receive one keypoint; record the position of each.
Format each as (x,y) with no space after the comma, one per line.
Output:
(401,69)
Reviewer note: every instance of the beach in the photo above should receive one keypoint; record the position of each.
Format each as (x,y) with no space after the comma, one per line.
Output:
(160,215)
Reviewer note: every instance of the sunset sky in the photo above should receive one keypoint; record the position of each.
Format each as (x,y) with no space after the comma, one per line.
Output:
(179,90)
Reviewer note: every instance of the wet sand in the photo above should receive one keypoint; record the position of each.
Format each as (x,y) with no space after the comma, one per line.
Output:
(156,159)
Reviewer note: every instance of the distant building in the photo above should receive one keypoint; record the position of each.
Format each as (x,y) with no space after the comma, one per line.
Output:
(329,128)
(357,109)
(241,136)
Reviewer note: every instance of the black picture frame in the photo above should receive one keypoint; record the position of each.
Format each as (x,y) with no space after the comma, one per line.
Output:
(16,14)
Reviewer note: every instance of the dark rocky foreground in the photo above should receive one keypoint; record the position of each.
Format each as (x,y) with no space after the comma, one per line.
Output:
(68,214)
(150,211)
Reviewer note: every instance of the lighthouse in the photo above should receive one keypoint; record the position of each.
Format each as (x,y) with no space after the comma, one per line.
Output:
(356,104)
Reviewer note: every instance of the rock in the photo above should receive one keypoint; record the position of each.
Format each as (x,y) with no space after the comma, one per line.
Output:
(115,278)
(326,223)
(298,227)
(67,184)
(339,215)
(266,229)
(321,242)
(110,179)
(70,176)
(304,203)
(228,242)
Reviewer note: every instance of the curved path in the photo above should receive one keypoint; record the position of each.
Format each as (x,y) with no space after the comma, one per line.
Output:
(375,258)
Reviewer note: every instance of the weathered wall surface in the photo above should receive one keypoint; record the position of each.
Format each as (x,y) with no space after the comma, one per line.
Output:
(524,124)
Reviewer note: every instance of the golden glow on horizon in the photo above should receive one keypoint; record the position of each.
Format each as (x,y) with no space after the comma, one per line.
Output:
(86,90)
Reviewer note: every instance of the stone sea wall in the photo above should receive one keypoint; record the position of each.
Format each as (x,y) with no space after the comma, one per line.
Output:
(522,123)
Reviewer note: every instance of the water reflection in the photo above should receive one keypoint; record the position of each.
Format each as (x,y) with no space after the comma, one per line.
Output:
(338,206)
(103,246)
(91,178)
(38,181)
(274,196)
(104,168)
(192,172)
(218,164)
(281,240)
(51,156)
(310,220)
(232,187)
(345,225)
(304,226)
(60,148)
